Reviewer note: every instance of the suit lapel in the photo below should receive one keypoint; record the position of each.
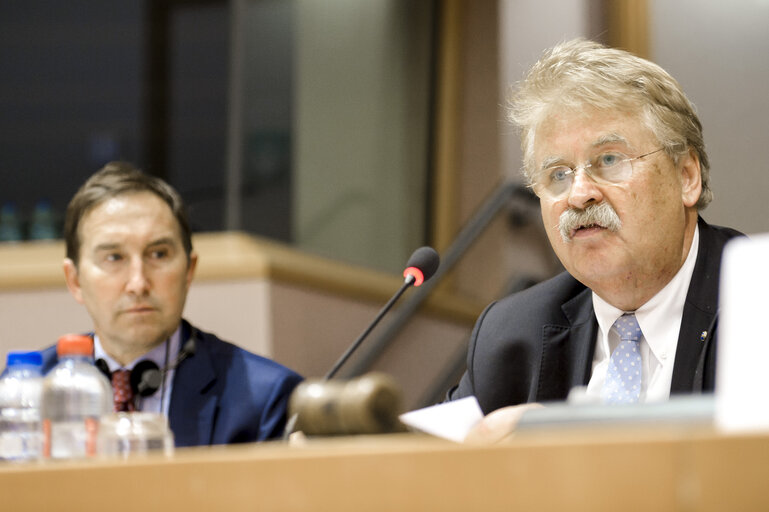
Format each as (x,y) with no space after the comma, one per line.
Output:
(567,349)
(699,312)
(194,401)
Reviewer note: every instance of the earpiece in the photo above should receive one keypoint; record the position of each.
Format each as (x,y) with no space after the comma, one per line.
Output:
(103,367)
(147,376)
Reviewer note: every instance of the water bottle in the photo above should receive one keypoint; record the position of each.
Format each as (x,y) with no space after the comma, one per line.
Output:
(75,397)
(42,225)
(10,224)
(20,386)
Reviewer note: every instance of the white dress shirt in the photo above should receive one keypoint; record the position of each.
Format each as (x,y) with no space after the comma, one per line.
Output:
(163,355)
(660,322)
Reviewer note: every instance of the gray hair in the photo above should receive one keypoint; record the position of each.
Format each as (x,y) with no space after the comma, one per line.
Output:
(580,73)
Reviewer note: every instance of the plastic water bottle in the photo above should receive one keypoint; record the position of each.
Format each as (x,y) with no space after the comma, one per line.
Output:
(10,224)
(75,397)
(20,386)
(42,225)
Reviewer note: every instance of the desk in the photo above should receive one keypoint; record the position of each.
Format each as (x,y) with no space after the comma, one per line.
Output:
(658,470)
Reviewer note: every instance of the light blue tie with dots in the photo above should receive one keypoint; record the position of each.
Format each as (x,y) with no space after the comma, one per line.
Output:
(623,379)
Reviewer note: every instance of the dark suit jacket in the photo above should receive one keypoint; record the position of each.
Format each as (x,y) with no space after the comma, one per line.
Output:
(534,346)
(222,393)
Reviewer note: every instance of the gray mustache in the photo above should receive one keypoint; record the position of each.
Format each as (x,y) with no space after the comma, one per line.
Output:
(601,214)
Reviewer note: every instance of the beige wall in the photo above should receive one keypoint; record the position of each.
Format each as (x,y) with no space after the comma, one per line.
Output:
(718,52)
(33,319)
(309,329)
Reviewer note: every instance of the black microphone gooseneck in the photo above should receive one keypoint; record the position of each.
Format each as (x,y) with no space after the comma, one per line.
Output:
(421,266)
(371,326)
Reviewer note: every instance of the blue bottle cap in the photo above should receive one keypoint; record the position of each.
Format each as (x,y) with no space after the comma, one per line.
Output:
(20,357)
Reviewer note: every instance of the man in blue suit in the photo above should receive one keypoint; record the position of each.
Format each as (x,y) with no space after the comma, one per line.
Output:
(614,150)
(130,262)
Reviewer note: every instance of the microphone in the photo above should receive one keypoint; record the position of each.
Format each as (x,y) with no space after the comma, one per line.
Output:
(420,267)
(368,404)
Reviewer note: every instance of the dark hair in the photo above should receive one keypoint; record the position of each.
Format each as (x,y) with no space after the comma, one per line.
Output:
(112,180)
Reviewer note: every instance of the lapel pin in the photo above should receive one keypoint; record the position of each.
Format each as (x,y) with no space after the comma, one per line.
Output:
(703,335)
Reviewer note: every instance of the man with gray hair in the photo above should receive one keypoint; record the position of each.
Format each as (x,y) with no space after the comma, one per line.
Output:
(614,151)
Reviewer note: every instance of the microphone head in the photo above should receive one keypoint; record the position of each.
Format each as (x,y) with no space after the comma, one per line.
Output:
(422,265)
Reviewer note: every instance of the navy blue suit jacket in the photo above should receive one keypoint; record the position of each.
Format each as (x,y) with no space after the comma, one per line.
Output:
(534,346)
(222,393)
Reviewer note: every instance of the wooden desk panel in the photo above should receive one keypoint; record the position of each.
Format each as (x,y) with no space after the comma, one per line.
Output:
(668,470)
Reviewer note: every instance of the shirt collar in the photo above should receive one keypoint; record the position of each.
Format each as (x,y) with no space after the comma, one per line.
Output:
(156,355)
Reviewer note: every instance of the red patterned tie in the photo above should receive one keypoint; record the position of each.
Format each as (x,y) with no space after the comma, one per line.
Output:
(122,393)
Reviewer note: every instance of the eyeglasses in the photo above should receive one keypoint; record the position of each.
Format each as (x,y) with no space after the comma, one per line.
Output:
(607,168)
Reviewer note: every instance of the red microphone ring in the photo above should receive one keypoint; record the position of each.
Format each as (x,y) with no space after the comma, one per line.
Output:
(419,277)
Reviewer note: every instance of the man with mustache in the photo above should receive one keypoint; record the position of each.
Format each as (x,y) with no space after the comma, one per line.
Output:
(614,151)
(130,262)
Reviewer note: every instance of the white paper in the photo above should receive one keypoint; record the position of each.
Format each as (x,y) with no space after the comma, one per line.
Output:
(449,420)
(742,371)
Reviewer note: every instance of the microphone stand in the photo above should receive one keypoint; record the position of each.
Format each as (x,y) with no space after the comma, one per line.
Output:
(291,422)
(423,263)
(408,282)
(466,237)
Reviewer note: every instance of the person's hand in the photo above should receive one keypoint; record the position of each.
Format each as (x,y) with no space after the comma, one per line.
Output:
(498,426)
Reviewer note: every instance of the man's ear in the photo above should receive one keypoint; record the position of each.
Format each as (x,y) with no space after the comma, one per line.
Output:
(691,178)
(193,263)
(73,279)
